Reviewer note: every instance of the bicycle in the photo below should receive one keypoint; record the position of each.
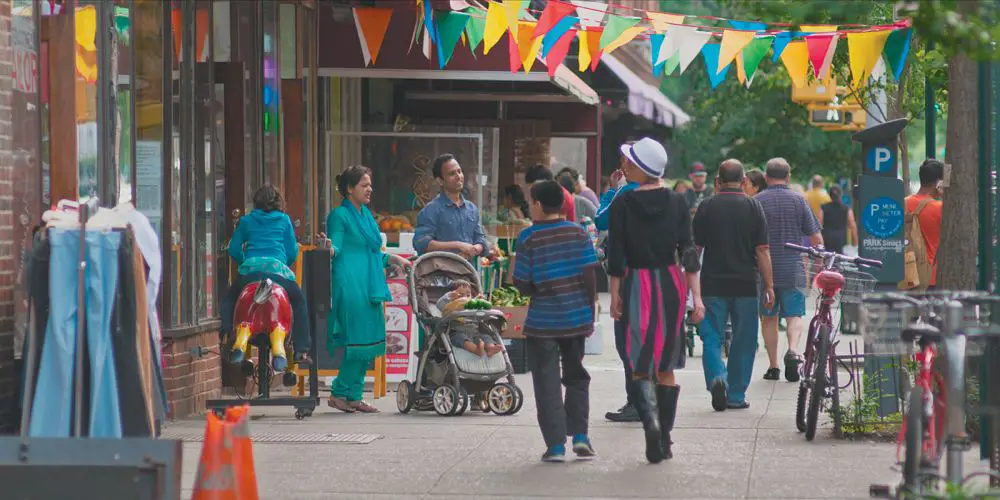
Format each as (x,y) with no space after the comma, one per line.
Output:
(835,280)
(942,326)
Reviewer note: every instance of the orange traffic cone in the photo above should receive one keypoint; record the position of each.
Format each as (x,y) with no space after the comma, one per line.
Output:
(225,470)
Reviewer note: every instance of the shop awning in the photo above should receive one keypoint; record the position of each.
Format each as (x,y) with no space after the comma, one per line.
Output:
(645,99)
(566,79)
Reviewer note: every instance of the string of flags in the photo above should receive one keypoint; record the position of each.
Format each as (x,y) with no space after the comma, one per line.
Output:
(600,28)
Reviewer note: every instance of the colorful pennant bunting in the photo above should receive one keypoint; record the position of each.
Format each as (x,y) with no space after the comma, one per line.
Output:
(450,25)
(655,44)
(475,30)
(818,28)
(732,43)
(689,41)
(557,52)
(781,40)
(663,21)
(748,25)
(527,46)
(590,48)
(897,47)
(512,9)
(591,13)
(556,33)
(753,54)
(672,63)
(796,60)
(371,23)
(554,12)
(711,52)
(864,50)
(821,49)
(496,25)
(617,28)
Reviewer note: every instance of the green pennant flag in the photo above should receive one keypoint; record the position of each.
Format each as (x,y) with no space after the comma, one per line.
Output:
(672,63)
(754,53)
(475,29)
(450,27)
(897,46)
(614,27)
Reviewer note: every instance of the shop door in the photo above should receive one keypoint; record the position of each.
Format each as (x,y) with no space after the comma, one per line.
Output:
(230,104)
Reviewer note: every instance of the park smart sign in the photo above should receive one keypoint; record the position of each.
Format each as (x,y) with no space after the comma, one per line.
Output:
(879,204)
(882,217)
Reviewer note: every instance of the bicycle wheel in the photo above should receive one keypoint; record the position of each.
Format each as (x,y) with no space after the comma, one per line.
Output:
(821,365)
(804,383)
(913,440)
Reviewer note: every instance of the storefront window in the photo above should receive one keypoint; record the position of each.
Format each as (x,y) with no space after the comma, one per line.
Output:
(148,38)
(121,126)
(87,69)
(203,164)
(273,160)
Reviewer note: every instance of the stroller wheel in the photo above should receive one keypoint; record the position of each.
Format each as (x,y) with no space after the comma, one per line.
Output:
(446,400)
(404,396)
(483,402)
(503,398)
(463,402)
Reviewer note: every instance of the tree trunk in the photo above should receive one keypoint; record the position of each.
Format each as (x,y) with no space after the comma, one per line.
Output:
(896,112)
(956,257)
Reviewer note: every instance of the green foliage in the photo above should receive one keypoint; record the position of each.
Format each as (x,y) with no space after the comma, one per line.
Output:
(860,417)
(959,26)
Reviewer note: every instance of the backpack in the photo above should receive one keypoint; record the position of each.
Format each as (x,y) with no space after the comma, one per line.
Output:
(918,268)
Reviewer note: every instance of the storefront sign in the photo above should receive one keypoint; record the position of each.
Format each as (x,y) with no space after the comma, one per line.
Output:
(401,332)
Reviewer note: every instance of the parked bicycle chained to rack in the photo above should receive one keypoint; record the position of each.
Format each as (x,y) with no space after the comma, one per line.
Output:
(836,280)
(939,324)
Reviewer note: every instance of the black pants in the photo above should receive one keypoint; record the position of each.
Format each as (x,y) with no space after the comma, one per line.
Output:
(301,339)
(557,419)
(621,341)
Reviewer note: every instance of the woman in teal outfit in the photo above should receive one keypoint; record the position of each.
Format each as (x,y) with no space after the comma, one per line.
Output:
(358,289)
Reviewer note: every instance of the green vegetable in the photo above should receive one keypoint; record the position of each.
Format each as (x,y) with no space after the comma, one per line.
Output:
(508,297)
(478,304)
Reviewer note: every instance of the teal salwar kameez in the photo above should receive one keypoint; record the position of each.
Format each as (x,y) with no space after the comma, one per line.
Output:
(358,294)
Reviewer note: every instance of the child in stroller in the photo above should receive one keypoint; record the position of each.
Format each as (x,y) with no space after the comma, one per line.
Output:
(469,337)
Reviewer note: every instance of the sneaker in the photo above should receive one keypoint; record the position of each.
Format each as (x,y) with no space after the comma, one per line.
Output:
(556,454)
(582,447)
(626,413)
(772,374)
(743,405)
(792,362)
(719,395)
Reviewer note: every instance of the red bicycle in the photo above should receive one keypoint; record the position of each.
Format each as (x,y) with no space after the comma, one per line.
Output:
(835,280)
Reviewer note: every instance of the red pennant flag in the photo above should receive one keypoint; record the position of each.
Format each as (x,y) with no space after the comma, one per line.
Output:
(819,48)
(515,54)
(557,54)
(553,13)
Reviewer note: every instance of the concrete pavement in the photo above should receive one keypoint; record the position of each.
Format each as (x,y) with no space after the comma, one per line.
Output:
(752,454)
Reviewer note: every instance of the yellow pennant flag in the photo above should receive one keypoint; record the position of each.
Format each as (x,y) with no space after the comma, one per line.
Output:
(741,71)
(733,43)
(864,50)
(626,37)
(528,47)
(496,25)
(590,43)
(796,60)
(817,28)
(512,9)
(661,21)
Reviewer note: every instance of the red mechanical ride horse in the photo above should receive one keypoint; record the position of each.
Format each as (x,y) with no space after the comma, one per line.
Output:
(262,307)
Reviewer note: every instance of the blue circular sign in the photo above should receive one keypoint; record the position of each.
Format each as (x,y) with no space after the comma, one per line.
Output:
(880,160)
(882,217)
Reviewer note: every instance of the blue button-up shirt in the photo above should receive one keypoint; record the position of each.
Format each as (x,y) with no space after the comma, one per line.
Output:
(444,221)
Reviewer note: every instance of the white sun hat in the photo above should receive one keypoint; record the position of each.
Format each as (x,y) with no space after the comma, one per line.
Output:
(648,155)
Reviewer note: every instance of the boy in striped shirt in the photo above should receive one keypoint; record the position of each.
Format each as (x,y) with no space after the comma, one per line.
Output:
(555,266)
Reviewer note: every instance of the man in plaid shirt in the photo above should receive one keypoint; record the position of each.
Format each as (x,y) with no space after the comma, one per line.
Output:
(789,220)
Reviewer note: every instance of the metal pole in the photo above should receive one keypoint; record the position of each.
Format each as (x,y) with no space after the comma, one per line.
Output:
(930,115)
(985,178)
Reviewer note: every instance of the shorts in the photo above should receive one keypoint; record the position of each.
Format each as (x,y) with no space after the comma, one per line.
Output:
(788,303)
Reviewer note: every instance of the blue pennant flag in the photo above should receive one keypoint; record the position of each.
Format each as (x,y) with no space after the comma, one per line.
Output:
(711,53)
(558,30)
(655,42)
(748,25)
(781,40)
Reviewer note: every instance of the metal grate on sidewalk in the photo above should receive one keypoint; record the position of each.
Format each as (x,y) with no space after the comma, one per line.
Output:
(279,438)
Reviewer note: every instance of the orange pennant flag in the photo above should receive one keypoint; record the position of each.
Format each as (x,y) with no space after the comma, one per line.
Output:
(590,48)
(796,59)
(527,45)
(372,23)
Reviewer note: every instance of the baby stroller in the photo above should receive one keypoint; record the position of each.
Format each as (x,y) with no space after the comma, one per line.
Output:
(449,378)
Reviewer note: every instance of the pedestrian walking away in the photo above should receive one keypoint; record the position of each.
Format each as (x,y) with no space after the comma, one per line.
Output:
(789,220)
(731,230)
(838,222)
(925,208)
(557,267)
(650,227)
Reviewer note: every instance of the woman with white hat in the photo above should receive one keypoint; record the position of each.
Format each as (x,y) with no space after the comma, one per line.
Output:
(649,227)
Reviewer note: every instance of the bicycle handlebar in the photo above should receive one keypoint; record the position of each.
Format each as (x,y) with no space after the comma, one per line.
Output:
(823,254)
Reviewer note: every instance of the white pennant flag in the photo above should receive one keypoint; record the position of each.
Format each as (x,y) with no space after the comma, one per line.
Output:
(688,42)
(667,47)
(361,37)
(879,71)
(824,69)
(589,12)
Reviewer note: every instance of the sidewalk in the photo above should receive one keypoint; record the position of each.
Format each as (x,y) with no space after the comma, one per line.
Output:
(755,453)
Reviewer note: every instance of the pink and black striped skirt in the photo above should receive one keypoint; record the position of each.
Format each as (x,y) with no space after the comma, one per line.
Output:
(653,312)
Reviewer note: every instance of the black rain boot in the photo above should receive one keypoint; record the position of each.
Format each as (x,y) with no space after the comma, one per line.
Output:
(666,397)
(650,426)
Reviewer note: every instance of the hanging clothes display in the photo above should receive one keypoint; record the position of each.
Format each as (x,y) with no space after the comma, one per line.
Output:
(113,308)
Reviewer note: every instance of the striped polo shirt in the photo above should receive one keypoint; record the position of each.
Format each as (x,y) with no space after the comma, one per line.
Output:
(552,259)
(789,220)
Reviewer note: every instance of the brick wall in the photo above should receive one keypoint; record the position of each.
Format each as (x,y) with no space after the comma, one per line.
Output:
(191,380)
(8,387)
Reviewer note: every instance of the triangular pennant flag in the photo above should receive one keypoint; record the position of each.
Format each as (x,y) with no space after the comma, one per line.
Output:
(558,51)
(741,74)
(460,5)
(429,25)
(796,59)
(591,13)
(655,43)
(672,63)
(451,25)
(624,38)
(475,29)
(864,51)
(512,10)
(590,48)
(417,29)
(781,40)
(821,48)
(496,25)
(554,12)
(818,28)
(878,72)
(732,43)
(662,21)
(527,47)
(689,42)
(615,27)
(515,55)
(748,25)
(897,47)
(372,23)
(753,54)
(667,47)
(556,33)
(711,53)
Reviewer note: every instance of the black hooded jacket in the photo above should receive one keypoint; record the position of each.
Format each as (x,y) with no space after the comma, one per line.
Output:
(648,229)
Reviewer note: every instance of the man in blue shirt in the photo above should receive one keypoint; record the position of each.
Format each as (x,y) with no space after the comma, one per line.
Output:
(450,223)
(604,211)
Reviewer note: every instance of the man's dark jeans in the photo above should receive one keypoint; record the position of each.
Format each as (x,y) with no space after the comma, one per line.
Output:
(621,341)
(301,339)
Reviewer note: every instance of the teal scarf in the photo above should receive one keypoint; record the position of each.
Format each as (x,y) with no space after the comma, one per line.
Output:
(378,290)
